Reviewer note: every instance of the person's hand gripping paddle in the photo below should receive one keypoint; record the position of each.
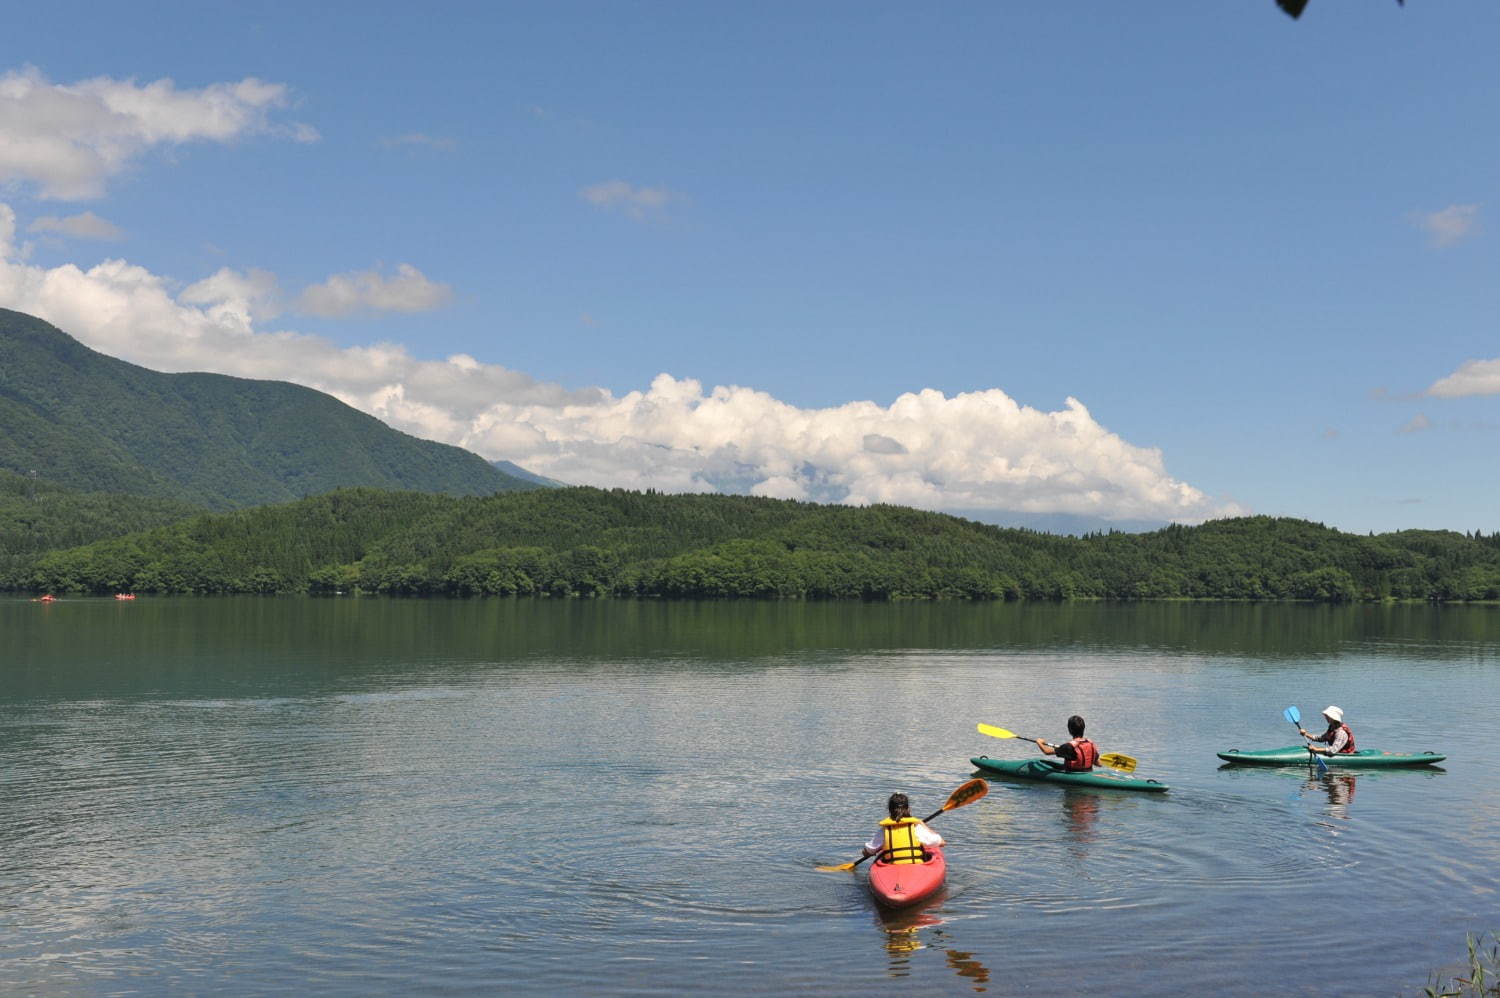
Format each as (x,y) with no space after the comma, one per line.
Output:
(1295,716)
(1114,760)
(966,794)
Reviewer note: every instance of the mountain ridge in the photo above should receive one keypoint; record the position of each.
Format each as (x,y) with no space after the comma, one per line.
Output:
(92,422)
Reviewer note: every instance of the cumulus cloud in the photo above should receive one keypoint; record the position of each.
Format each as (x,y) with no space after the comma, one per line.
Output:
(84,226)
(70,139)
(369,291)
(1450,226)
(637,202)
(976,451)
(877,443)
(235,297)
(1473,377)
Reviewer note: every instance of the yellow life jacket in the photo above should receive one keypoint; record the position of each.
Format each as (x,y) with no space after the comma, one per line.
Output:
(901,844)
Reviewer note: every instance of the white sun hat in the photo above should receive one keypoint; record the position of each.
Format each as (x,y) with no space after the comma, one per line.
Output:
(1334,714)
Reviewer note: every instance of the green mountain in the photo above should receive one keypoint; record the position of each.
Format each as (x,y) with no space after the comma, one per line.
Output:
(96,424)
(515,470)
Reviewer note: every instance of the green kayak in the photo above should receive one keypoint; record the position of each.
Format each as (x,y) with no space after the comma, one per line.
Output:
(1043,769)
(1297,755)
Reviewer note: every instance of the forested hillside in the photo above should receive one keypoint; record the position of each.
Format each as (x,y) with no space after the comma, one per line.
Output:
(38,516)
(97,424)
(590,542)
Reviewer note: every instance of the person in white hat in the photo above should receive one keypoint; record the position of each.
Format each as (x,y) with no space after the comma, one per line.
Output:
(1338,737)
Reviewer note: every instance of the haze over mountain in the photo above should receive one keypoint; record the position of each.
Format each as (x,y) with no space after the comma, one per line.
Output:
(91,422)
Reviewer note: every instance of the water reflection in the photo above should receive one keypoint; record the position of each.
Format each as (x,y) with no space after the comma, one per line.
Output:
(1340,790)
(909,930)
(902,929)
(1082,813)
(970,969)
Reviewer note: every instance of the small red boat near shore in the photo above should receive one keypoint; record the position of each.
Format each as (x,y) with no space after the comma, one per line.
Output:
(900,884)
(124,595)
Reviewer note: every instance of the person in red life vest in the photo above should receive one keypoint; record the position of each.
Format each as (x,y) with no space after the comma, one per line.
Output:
(1079,754)
(1338,737)
(901,837)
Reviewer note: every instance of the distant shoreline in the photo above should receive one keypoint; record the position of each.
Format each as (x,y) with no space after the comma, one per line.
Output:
(594,543)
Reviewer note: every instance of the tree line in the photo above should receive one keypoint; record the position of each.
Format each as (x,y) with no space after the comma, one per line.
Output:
(584,542)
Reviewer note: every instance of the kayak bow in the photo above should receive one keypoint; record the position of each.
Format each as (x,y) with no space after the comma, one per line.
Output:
(899,884)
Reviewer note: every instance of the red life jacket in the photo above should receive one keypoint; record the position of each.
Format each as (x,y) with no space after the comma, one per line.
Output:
(1349,745)
(1085,754)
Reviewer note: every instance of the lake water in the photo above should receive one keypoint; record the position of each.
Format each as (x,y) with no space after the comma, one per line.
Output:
(363,796)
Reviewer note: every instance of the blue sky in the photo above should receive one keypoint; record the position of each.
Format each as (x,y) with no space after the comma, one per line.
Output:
(1255,251)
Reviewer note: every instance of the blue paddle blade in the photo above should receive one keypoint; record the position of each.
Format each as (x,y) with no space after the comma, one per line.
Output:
(1292,714)
(1322,766)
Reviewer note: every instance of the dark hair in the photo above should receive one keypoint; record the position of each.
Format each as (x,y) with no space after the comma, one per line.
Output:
(1075,726)
(899,806)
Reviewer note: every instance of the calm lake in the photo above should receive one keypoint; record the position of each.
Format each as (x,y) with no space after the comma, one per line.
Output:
(355,796)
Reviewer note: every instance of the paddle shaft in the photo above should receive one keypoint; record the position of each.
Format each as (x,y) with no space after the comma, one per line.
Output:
(874,854)
(1114,760)
(1294,715)
(966,794)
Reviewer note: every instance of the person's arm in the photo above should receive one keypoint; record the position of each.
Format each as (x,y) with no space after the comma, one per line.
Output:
(875,845)
(1065,753)
(1041,743)
(927,836)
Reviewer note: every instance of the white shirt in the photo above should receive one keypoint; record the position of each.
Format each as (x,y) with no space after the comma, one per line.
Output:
(925,835)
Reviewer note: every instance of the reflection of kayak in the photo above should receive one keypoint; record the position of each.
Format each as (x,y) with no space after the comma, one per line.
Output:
(1297,755)
(1042,769)
(900,884)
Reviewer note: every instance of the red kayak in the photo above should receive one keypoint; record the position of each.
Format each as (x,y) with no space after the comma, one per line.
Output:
(901,884)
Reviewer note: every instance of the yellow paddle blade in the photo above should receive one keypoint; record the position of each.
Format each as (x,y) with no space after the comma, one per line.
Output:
(994,732)
(1118,760)
(967,794)
(842,867)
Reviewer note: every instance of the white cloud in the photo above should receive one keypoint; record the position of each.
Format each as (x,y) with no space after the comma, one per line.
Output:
(420,139)
(1416,424)
(977,451)
(369,291)
(637,202)
(1473,377)
(235,297)
(8,248)
(70,139)
(1449,226)
(84,226)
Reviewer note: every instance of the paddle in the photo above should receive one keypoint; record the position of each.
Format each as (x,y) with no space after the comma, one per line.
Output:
(966,794)
(1295,716)
(1114,760)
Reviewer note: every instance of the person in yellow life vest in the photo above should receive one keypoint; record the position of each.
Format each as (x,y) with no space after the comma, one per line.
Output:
(1079,754)
(902,838)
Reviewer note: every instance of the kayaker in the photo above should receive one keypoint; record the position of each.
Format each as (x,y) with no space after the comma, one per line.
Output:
(901,837)
(1338,737)
(1079,754)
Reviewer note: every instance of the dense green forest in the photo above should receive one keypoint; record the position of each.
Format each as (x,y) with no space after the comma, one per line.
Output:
(37,516)
(591,542)
(96,424)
